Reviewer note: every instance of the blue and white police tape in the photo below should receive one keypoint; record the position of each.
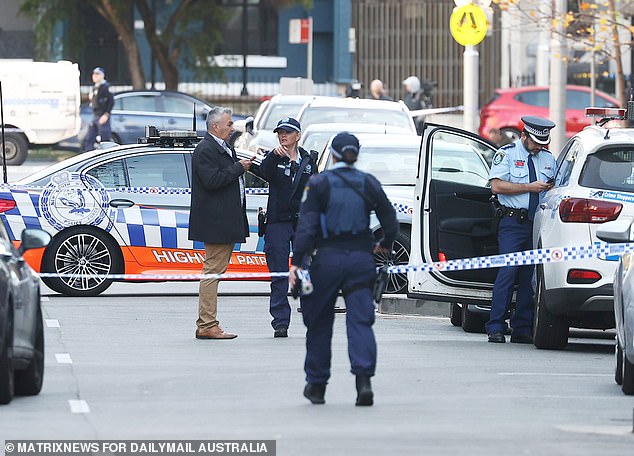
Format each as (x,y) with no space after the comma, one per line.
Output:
(524,258)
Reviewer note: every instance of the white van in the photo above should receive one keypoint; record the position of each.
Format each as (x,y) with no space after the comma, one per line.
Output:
(41,105)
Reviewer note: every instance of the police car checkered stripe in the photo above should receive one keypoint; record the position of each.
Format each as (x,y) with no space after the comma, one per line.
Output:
(528,257)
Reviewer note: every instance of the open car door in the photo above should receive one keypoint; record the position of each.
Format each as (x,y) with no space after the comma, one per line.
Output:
(453,217)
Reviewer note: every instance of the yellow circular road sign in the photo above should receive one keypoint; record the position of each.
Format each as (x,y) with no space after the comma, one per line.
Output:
(468,25)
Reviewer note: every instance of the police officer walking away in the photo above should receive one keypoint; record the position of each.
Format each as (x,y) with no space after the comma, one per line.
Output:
(521,171)
(101,102)
(287,169)
(334,229)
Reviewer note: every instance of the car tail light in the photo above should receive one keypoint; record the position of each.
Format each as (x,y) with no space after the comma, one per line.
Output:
(583,210)
(582,276)
(6,205)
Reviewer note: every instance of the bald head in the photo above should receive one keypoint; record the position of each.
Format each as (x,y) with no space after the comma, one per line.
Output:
(377,89)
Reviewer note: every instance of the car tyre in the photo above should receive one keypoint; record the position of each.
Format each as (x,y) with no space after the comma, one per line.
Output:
(549,331)
(7,382)
(455,314)
(618,371)
(397,283)
(628,375)
(28,382)
(81,250)
(472,322)
(16,148)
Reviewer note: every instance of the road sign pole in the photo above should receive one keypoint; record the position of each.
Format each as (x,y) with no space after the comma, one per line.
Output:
(309,50)
(470,86)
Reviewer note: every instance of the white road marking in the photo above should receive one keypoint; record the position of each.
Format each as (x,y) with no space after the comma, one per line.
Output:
(63,358)
(552,374)
(52,323)
(603,430)
(78,406)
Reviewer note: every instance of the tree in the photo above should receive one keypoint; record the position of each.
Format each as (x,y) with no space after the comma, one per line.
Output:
(595,26)
(187,35)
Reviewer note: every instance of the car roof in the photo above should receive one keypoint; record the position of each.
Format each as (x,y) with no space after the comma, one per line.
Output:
(594,137)
(536,87)
(290,99)
(388,139)
(354,127)
(321,101)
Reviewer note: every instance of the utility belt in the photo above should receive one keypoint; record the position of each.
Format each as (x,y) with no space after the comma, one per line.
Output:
(501,211)
(520,214)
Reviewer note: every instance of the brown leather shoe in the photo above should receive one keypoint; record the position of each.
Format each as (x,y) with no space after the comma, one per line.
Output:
(215,332)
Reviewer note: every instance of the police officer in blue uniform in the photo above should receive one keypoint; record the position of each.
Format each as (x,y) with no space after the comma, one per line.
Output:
(520,173)
(287,169)
(334,230)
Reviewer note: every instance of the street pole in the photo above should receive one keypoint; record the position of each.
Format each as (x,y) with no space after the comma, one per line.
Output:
(309,50)
(245,24)
(152,61)
(558,80)
(470,85)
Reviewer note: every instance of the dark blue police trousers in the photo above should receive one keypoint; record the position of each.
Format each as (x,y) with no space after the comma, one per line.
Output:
(94,130)
(513,236)
(277,247)
(353,272)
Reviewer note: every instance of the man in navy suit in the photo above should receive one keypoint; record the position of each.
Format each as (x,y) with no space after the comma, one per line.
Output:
(217,215)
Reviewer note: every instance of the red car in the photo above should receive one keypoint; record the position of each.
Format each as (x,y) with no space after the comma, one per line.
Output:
(509,105)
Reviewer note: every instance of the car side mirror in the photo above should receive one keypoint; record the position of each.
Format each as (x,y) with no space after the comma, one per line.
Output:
(617,231)
(33,238)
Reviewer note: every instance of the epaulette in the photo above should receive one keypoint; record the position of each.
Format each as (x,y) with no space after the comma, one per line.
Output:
(508,146)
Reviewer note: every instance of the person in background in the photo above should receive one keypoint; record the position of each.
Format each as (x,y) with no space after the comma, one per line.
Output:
(377,91)
(287,169)
(217,215)
(334,231)
(498,138)
(413,99)
(520,173)
(101,102)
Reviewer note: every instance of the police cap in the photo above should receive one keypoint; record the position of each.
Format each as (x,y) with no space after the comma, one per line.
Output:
(99,70)
(344,143)
(288,124)
(538,128)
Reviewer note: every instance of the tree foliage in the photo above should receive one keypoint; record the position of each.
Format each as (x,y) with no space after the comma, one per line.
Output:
(184,36)
(594,26)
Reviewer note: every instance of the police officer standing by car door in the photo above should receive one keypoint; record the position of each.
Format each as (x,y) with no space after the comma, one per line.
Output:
(287,169)
(334,229)
(521,171)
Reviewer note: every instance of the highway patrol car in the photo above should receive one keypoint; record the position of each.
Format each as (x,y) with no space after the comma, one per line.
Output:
(122,210)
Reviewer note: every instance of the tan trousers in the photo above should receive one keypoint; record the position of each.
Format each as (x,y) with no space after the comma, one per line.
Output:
(217,258)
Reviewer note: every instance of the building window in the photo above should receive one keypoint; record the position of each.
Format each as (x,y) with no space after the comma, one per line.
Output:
(261,30)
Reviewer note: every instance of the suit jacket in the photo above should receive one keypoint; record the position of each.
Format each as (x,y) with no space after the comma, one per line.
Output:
(216,216)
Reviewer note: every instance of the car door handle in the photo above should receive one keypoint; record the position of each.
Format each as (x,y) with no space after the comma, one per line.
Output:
(171,121)
(542,205)
(121,203)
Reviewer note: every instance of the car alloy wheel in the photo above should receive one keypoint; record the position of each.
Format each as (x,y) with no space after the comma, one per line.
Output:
(78,253)
(397,283)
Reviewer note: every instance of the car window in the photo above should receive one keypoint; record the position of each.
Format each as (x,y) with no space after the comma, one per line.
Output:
(534,97)
(111,174)
(157,170)
(576,99)
(253,181)
(314,115)
(566,163)
(609,169)
(458,161)
(317,140)
(178,105)
(137,103)
(279,111)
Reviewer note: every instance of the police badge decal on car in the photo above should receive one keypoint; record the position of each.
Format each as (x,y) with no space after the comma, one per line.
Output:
(72,199)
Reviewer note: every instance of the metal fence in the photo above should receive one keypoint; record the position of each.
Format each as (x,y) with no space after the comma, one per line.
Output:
(396,39)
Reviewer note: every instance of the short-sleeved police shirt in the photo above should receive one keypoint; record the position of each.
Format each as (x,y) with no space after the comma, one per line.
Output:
(510,164)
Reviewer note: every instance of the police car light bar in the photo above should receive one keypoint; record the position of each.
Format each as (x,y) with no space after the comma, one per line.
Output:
(606,113)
